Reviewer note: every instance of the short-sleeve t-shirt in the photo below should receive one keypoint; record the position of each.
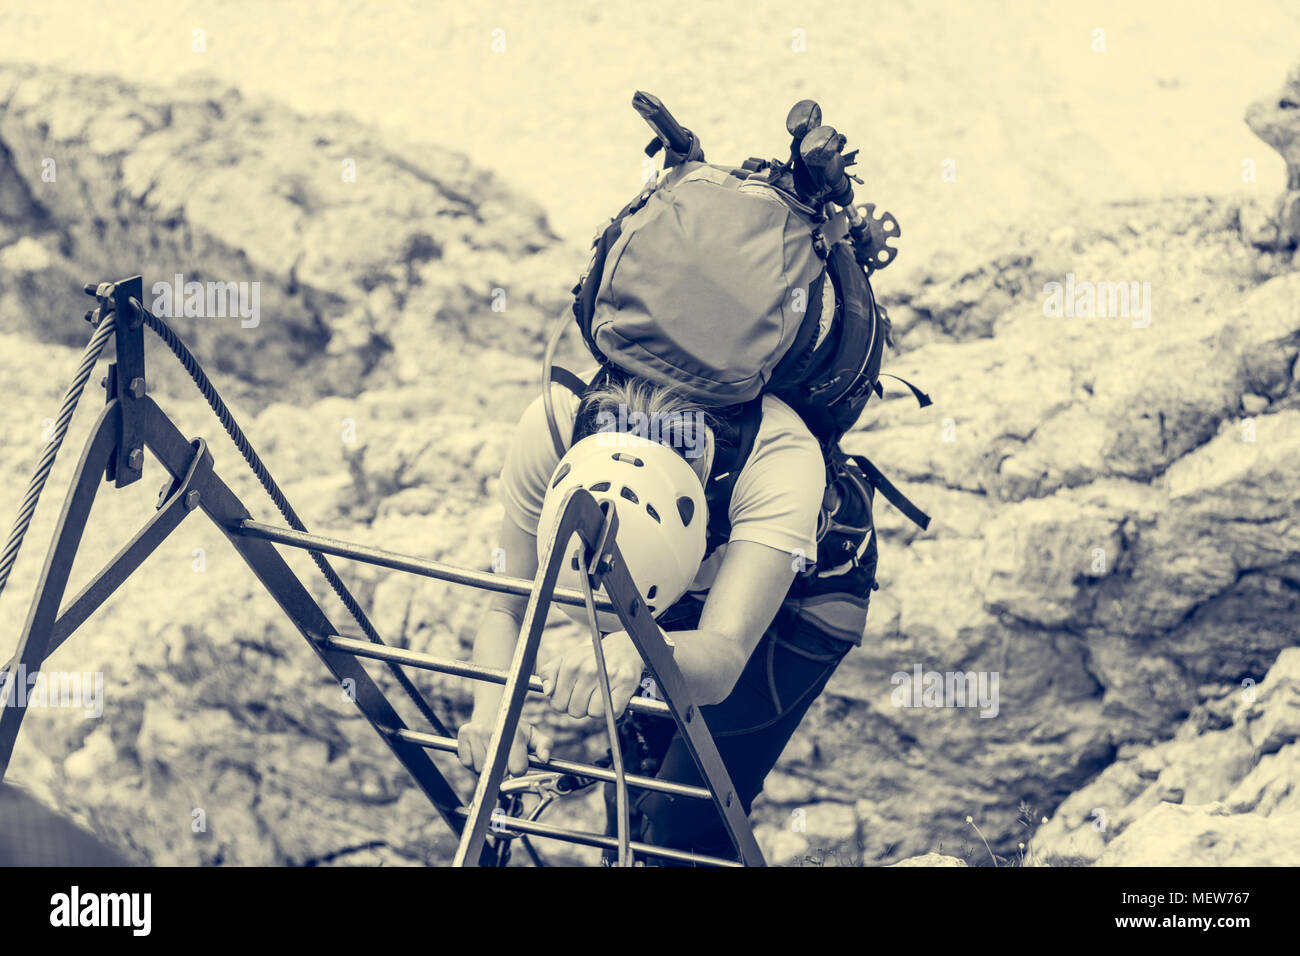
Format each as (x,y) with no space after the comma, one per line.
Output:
(775,500)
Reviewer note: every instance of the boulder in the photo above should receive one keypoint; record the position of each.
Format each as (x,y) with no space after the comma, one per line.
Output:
(1237,754)
(930,859)
(1275,119)
(1206,836)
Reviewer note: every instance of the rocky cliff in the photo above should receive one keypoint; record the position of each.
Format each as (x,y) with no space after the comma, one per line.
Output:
(1110,460)
(1224,791)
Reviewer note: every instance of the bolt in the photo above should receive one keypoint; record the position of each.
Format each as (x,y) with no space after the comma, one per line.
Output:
(690,712)
(135,460)
(162,492)
(191,500)
(137,388)
(636,606)
(731,798)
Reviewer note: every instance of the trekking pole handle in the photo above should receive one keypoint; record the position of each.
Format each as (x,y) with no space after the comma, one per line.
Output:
(821,150)
(804,117)
(670,133)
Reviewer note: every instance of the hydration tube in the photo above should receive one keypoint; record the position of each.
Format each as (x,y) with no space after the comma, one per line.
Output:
(548,360)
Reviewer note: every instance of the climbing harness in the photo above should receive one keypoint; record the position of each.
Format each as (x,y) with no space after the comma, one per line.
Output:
(495,817)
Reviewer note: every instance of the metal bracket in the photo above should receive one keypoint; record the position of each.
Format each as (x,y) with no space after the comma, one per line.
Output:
(126,379)
(602,553)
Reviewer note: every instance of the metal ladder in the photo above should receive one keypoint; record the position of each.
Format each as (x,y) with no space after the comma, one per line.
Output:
(132,421)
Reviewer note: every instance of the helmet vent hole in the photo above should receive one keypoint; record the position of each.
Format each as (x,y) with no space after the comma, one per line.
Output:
(650,595)
(650,510)
(686,508)
(630,459)
(630,495)
(600,486)
(650,608)
(559,475)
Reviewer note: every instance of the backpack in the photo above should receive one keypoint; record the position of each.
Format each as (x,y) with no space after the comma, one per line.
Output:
(713,278)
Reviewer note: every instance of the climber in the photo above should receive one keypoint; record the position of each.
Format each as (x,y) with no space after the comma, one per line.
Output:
(730,305)
(756,672)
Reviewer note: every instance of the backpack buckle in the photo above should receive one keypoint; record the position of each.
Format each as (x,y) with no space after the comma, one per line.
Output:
(819,244)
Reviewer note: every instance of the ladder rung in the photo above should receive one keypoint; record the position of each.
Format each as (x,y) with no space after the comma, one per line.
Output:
(448,745)
(550,831)
(501,583)
(398,655)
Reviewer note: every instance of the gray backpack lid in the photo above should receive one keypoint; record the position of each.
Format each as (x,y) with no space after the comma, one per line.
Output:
(708,285)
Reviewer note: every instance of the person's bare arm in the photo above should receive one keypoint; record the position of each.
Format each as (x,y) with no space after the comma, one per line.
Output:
(748,591)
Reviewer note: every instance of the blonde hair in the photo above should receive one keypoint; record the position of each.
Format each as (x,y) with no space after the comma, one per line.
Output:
(662,413)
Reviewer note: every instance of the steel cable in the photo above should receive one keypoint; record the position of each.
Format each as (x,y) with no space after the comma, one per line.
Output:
(46,464)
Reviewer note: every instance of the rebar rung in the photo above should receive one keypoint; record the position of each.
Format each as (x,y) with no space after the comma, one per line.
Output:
(557,765)
(501,583)
(583,838)
(443,665)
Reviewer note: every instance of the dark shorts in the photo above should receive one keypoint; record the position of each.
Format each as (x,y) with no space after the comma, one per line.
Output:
(787,671)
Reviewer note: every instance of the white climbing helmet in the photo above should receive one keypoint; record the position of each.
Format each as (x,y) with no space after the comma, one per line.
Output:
(662,514)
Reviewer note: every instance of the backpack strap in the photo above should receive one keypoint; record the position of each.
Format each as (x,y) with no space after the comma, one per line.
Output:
(891,493)
(570,380)
(730,453)
(559,375)
(922,399)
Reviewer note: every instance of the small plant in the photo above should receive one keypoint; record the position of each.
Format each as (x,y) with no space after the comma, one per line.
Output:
(971,822)
(1026,821)
(1023,855)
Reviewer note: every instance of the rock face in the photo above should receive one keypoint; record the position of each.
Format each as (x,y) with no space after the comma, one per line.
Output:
(1114,502)
(1225,791)
(1111,462)
(355,247)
